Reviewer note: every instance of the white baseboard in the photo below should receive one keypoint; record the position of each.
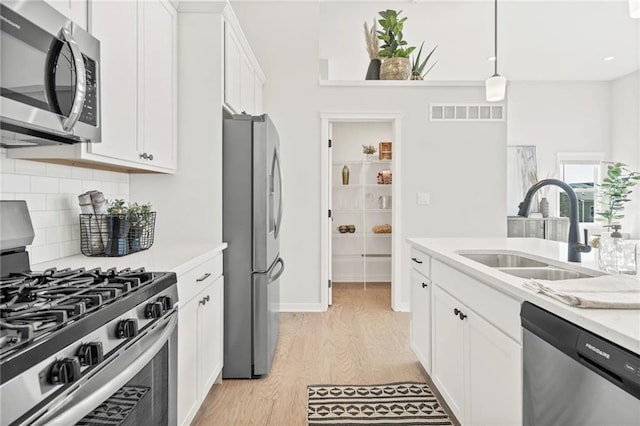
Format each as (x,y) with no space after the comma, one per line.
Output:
(301,307)
(404,307)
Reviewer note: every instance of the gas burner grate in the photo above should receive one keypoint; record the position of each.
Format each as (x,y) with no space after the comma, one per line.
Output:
(33,303)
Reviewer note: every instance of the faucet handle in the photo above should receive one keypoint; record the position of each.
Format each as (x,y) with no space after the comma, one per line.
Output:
(584,248)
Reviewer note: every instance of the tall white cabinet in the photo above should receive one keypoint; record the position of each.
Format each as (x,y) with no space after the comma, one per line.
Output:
(362,204)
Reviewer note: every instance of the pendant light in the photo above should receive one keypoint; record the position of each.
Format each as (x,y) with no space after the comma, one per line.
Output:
(634,8)
(497,84)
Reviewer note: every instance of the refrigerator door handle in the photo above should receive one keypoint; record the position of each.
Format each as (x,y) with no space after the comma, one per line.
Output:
(276,162)
(273,277)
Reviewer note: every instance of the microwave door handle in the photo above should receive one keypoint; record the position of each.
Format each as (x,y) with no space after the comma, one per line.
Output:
(81,81)
(276,160)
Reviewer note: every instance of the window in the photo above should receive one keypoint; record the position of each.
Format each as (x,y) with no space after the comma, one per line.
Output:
(582,173)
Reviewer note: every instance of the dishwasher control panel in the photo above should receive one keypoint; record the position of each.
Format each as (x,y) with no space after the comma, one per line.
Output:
(601,355)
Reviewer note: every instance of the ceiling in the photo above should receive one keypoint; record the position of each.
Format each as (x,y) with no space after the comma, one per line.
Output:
(537,39)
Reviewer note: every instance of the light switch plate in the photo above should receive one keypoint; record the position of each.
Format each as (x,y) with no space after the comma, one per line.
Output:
(423,198)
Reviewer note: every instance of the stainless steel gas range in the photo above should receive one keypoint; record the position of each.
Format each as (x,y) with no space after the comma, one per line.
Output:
(83,346)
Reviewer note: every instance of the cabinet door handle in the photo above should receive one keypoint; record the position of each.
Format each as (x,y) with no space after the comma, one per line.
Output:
(205,300)
(456,311)
(425,285)
(416,260)
(146,156)
(204,277)
(462,316)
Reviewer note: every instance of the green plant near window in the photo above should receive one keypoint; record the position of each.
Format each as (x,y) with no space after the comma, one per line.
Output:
(391,35)
(417,66)
(615,190)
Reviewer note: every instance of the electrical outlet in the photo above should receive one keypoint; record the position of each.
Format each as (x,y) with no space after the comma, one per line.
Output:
(423,198)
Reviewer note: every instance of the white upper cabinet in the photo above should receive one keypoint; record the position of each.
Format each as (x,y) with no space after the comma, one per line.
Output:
(119,82)
(157,84)
(232,65)
(243,77)
(76,10)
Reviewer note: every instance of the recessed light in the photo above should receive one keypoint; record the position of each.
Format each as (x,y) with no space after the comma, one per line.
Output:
(491,58)
(608,58)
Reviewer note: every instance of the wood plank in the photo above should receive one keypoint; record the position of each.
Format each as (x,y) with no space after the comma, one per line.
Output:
(360,340)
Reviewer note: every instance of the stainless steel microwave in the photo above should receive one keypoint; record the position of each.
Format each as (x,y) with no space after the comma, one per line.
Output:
(49,79)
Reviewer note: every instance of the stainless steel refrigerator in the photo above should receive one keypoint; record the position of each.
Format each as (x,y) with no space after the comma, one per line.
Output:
(252,216)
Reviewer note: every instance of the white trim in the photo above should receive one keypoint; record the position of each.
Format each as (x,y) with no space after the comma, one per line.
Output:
(403,307)
(301,307)
(399,83)
(396,266)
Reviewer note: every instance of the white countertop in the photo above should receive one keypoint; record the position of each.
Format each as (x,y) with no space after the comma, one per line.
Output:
(617,325)
(176,257)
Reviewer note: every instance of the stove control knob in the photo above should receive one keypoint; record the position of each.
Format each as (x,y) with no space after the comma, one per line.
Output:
(127,328)
(153,310)
(167,302)
(64,371)
(90,353)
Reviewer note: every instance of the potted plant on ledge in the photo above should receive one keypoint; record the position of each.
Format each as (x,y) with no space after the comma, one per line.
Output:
(417,67)
(395,50)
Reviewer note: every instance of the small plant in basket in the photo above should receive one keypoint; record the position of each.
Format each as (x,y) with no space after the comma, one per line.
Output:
(141,221)
(117,228)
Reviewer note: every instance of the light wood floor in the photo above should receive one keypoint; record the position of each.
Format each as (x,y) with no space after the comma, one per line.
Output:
(360,340)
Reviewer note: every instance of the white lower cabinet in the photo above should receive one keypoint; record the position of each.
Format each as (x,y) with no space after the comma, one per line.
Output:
(421,318)
(476,367)
(448,351)
(200,335)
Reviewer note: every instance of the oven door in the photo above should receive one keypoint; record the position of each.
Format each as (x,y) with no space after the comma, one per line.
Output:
(136,386)
(49,76)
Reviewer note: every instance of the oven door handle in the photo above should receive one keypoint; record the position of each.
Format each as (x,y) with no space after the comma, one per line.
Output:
(81,81)
(68,412)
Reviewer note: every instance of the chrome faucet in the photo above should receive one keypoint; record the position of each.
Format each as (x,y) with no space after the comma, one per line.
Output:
(575,247)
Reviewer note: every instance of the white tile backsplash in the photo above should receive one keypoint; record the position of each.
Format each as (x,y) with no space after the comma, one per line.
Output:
(48,185)
(33,168)
(15,183)
(51,192)
(35,202)
(71,186)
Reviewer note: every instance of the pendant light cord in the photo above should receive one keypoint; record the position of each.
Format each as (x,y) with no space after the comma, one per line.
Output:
(495,37)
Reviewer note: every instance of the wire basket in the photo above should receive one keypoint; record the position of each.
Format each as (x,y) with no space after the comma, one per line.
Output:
(112,235)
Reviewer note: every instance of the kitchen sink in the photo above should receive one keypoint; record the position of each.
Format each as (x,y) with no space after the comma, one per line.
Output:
(548,273)
(503,260)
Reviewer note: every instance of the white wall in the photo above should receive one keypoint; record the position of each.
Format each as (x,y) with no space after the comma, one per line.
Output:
(51,192)
(461,165)
(559,117)
(625,139)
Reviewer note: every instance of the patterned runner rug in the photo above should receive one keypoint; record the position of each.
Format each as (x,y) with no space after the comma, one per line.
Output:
(408,403)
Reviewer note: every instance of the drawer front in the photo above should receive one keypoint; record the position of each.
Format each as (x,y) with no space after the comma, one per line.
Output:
(421,262)
(497,308)
(193,281)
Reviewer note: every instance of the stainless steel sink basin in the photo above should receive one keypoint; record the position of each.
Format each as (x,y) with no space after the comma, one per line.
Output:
(503,260)
(552,274)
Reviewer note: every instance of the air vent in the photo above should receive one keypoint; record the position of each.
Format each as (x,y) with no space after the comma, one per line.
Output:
(486,112)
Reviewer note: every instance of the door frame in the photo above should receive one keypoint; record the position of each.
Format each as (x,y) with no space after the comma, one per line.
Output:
(394,118)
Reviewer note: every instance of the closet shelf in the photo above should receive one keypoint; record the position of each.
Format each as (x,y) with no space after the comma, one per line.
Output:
(360,210)
(361,162)
(366,185)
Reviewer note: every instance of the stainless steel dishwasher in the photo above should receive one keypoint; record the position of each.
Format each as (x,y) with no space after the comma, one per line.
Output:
(574,377)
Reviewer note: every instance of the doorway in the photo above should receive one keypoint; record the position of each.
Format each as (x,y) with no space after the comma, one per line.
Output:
(361,236)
